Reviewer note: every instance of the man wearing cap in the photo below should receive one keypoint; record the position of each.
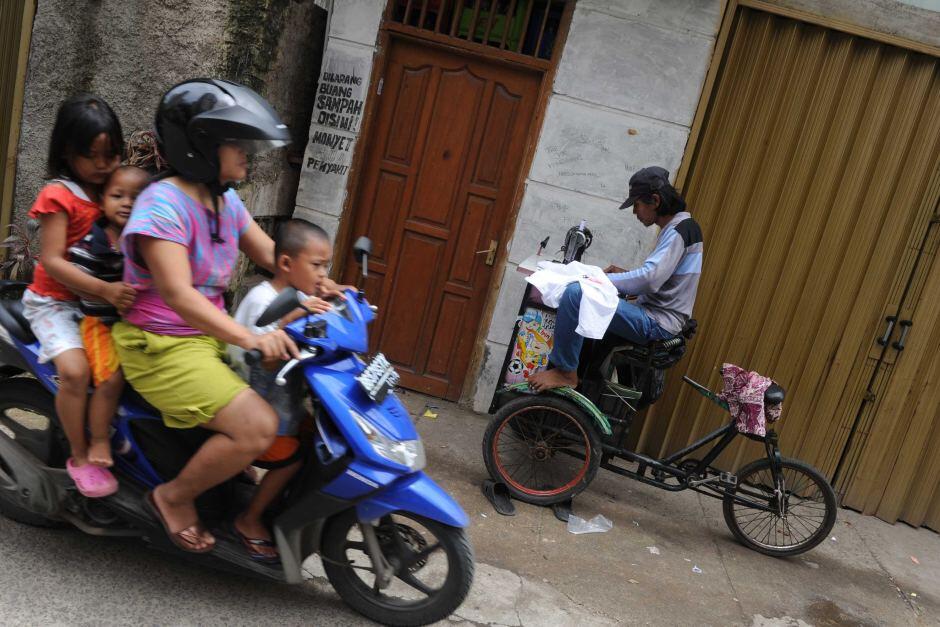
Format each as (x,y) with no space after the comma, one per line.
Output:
(665,285)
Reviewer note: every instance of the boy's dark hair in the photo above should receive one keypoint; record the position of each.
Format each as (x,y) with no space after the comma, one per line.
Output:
(293,235)
(124,167)
(79,121)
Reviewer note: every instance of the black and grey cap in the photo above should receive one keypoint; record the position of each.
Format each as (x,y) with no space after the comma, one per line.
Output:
(644,182)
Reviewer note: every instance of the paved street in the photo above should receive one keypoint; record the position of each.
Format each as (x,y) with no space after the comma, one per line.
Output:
(530,571)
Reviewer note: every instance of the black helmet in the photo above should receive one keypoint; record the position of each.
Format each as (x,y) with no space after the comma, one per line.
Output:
(196,116)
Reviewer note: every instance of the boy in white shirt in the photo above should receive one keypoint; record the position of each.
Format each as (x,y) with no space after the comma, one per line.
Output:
(302,253)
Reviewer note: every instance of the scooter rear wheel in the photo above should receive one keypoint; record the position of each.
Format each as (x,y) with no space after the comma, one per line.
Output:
(27,418)
(544,448)
(433,566)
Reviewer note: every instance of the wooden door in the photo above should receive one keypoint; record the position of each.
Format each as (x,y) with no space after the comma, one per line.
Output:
(439,178)
(812,182)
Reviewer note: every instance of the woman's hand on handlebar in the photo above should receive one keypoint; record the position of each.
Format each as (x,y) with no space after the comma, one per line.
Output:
(273,345)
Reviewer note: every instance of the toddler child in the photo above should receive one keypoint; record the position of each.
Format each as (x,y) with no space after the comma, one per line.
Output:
(98,255)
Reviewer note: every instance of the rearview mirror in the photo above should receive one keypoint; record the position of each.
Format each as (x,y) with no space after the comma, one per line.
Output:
(287,301)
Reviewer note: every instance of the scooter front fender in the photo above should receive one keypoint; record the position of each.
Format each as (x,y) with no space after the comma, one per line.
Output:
(417,494)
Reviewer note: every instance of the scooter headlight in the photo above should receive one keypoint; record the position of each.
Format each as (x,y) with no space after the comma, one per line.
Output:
(408,453)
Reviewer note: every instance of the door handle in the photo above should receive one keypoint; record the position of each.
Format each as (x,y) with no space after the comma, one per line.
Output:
(905,329)
(883,340)
(490,252)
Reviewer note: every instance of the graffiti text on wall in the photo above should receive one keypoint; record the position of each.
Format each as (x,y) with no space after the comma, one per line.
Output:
(340,101)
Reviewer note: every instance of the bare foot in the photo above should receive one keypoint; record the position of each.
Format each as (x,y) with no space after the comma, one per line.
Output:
(183,517)
(253,530)
(99,452)
(554,378)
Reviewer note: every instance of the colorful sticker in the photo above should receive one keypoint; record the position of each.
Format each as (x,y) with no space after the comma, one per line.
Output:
(533,344)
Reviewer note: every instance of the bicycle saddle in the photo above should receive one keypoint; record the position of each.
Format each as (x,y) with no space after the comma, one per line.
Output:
(774,395)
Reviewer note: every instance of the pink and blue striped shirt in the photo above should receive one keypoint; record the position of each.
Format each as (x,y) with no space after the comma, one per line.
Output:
(163,211)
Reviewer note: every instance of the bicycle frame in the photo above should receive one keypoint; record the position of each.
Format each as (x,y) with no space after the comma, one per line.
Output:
(668,473)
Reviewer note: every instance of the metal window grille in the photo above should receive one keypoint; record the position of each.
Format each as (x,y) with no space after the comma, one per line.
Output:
(526,27)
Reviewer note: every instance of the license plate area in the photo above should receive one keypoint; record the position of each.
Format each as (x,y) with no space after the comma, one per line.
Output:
(378,379)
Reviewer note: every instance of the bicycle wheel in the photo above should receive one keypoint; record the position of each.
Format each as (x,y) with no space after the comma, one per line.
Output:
(796,524)
(545,449)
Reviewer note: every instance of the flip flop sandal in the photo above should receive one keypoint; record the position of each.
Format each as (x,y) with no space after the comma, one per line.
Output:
(253,544)
(562,510)
(497,493)
(184,539)
(94,482)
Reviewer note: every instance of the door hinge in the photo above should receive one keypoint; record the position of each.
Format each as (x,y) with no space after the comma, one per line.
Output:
(378,90)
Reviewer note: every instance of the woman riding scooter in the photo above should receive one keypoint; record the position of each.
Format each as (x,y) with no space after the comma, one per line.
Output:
(181,245)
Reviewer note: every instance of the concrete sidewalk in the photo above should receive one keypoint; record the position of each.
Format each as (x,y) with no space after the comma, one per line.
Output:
(531,571)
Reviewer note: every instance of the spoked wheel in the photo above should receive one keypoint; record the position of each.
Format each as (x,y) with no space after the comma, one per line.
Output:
(789,515)
(432,564)
(27,413)
(544,448)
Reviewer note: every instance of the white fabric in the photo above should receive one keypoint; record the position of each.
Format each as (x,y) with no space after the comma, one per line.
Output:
(54,323)
(599,297)
(249,310)
(73,187)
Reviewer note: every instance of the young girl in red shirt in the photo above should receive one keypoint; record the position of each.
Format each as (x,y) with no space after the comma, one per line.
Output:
(85,147)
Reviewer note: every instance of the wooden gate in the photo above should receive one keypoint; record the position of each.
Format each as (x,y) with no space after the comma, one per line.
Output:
(16,22)
(814,182)
(438,183)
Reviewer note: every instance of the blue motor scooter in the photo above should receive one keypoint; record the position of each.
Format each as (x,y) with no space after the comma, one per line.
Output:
(391,541)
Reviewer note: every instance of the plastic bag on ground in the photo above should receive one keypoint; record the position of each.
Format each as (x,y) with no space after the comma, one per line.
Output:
(598,524)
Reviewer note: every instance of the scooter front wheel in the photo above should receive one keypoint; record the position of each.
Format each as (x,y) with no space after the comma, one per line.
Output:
(432,565)
(544,448)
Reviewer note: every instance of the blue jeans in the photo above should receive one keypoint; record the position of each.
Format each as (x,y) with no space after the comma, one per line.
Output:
(630,322)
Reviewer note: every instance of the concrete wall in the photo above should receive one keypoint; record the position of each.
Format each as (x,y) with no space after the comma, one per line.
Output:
(336,121)
(624,96)
(130,51)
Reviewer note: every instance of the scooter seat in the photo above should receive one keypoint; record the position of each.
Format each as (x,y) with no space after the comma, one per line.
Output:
(13,320)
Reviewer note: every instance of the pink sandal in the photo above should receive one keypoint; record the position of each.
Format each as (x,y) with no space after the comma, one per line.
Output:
(92,481)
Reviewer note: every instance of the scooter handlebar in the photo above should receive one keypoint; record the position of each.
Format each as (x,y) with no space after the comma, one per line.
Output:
(253,356)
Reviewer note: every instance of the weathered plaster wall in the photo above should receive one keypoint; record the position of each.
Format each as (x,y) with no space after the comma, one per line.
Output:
(282,65)
(130,52)
(624,96)
(337,116)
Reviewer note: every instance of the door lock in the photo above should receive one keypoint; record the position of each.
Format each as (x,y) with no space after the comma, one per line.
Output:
(490,252)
